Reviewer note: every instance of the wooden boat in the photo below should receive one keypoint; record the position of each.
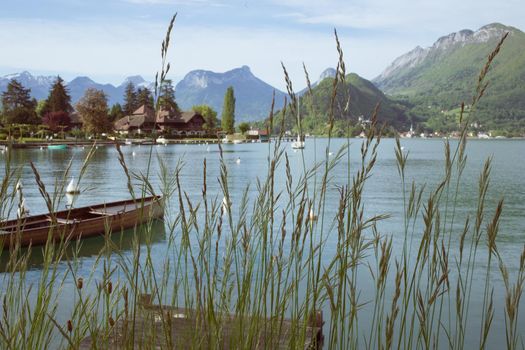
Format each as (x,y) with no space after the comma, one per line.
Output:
(80,222)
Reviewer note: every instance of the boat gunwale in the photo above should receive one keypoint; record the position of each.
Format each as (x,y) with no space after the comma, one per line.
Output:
(12,226)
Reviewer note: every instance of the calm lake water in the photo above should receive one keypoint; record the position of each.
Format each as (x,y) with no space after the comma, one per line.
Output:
(104,181)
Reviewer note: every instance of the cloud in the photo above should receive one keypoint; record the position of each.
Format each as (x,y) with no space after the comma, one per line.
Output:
(373,33)
(404,15)
(91,48)
(112,51)
(212,3)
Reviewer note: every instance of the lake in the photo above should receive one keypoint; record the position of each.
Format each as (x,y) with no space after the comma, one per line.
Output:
(105,181)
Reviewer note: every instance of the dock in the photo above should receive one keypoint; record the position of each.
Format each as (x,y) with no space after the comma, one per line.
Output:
(168,327)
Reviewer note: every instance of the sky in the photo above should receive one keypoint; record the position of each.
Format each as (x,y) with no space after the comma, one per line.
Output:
(109,40)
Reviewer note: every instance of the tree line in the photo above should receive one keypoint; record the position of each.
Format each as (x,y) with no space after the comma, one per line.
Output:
(56,111)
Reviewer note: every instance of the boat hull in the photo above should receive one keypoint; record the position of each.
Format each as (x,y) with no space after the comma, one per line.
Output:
(80,222)
(298,145)
(56,147)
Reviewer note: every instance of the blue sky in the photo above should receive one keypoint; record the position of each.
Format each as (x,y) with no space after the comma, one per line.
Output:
(108,40)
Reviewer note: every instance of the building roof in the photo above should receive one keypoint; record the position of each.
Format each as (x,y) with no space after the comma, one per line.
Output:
(146,111)
(145,114)
(258,132)
(185,117)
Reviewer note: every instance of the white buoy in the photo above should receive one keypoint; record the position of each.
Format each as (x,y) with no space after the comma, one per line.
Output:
(238,161)
(312,216)
(402,148)
(22,210)
(41,148)
(72,188)
(225,204)
(330,153)
(133,154)
(70,198)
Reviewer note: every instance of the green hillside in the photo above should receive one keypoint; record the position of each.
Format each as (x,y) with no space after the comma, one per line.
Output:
(443,76)
(315,108)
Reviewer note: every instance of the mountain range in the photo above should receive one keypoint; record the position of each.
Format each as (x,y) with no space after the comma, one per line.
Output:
(421,86)
(253,96)
(364,96)
(437,79)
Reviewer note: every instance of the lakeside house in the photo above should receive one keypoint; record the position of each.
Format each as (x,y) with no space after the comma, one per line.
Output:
(257,134)
(167,121)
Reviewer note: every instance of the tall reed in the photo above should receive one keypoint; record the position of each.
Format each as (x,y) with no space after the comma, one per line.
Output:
(252,271)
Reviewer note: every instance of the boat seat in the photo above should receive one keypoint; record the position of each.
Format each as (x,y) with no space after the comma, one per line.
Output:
(109,211)
(62,221)
(65,221)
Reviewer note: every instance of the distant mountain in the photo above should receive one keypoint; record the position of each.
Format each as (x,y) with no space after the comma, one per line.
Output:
(440,77)
(364,96)
(253,96)
(327,73)
(79,85)
(40,86)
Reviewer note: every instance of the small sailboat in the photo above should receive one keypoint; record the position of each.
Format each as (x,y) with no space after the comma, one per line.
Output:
(162,140)
(238,161)
(299,143)
(72,187)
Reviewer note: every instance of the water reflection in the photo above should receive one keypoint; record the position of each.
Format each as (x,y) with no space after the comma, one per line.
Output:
(121,242)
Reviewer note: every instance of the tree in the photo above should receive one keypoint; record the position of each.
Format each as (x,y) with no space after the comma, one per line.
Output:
(167,96)
(18,106)
(57,121)
(93,111)
(130,99)
(57,107)
(210,116)
(243,127)
(59,99)
(228,112)
(144,97)
(41,108)
(116,112)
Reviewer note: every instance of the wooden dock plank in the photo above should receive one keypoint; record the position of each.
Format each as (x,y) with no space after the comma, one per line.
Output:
(166,327)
